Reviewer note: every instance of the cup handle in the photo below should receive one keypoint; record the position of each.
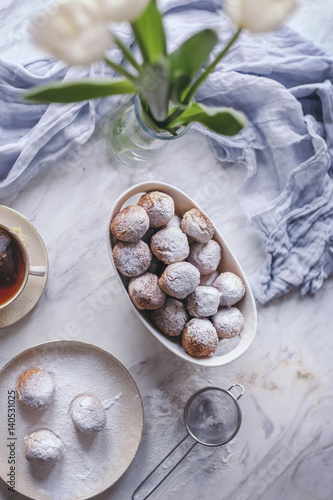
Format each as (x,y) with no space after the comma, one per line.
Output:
(37,270)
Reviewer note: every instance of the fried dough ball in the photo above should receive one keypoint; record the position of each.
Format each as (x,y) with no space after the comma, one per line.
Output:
(200,338)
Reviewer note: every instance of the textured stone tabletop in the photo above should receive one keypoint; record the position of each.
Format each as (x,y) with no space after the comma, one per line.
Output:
(284,449)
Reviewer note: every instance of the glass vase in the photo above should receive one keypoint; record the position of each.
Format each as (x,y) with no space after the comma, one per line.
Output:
(134,140)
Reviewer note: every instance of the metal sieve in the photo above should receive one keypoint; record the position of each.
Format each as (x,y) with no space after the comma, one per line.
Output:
(212,418)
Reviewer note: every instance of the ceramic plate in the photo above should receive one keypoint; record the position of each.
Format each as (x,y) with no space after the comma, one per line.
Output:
(228,350)
(90,463)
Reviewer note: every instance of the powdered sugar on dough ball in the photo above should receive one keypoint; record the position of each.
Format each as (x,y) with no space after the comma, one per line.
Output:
(132,259)
(145,292)
(159,206)
(200,338)
(228,322)
(197,226)
(174,222)
(179,279)
(209,279)
(231,288)
(88,414)
(43,448)
(203,302)
(171,318)
(205,256)
(170,245)
(130,224)
(35,389)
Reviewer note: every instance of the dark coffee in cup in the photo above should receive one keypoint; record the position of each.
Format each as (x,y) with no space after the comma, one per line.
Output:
(12,267)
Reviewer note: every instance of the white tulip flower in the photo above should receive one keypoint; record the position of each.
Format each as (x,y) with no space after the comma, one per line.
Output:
(77,32)
(123,10)
(259,16)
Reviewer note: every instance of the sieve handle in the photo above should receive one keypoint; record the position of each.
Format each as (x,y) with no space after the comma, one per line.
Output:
(240,387)
(164,469)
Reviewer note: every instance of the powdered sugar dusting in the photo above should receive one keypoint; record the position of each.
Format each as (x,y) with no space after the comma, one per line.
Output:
(109,402)
(203,302)
(170,245)
(174,222)
(171,318)
(159,206)
(200,338)
(132,259)
(231,288)
(179,279)
(145,292)
(88,413)
(197,226)
(43,448)
(130,224)
(228,322)
(205,256)
(89,463)
(35,389)
(209,279)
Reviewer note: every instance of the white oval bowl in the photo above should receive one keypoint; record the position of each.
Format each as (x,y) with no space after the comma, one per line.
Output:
(247,306)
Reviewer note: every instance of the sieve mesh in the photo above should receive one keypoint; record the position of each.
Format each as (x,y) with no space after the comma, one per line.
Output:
(212,416)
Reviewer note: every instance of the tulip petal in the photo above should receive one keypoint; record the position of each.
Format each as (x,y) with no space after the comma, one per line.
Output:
(259,15)
(76,33)
(123,10)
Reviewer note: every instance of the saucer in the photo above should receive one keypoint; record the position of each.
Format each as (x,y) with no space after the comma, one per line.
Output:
(34,288)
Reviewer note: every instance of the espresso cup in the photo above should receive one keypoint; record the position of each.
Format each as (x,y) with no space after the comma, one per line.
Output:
(19,256)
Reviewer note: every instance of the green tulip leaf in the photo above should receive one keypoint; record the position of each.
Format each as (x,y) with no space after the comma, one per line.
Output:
(127,53)
(180,81)
(224,121)
(193,53)
(81,90)
(149,34)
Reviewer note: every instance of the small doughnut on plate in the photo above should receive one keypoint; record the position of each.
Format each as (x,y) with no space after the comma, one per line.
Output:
(183,204)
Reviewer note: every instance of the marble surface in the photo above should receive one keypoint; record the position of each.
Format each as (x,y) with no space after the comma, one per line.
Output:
(284,449)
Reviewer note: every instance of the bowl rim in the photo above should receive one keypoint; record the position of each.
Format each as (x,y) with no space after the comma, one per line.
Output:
(215,360)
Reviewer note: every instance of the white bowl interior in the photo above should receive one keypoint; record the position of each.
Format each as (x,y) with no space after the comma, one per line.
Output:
(228,350)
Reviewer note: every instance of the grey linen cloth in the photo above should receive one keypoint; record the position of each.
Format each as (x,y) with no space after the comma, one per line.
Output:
(281,81)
